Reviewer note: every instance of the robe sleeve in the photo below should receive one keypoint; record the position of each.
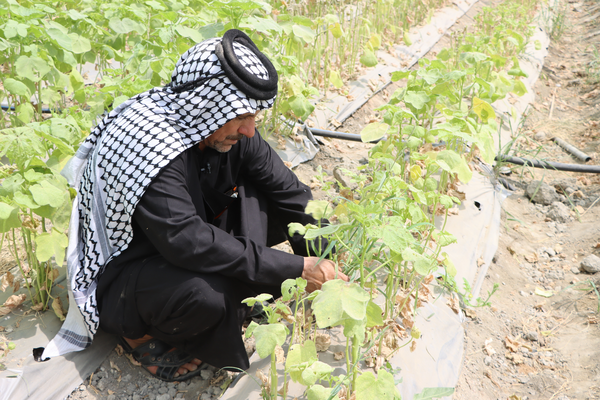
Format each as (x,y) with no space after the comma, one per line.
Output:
(290,196)
(168,217)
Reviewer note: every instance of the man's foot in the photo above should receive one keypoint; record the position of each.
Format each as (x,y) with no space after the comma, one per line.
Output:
(156,357)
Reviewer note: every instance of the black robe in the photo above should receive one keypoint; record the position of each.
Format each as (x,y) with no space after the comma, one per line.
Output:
(202,232)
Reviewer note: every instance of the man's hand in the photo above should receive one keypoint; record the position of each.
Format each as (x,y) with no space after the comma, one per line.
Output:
(317,274)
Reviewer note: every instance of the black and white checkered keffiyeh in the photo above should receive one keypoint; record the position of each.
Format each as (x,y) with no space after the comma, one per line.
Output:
(128,148)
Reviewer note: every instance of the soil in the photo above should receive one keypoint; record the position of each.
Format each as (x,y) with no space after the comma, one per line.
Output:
(525,346)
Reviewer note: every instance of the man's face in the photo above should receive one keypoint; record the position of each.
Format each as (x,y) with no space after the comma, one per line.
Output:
(230,133)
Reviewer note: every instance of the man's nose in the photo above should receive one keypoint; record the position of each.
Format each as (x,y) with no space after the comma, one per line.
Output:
(247,127)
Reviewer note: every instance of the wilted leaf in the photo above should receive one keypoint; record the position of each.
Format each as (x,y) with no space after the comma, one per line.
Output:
(7,280)
(57,307)
(11,303)
(543,293)
(322,342)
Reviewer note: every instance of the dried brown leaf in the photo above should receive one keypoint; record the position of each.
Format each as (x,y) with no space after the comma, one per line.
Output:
(58,309)
(133,360)
(119,350)
(511,344)
(487,346)
(115,366)
(7,280)
(454,304)
(11,303)
(413,346)
(279,355)
(322,342)
(339,355)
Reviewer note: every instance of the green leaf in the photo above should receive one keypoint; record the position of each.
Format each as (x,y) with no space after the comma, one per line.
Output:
(268,337)
(335,79)
(434,393)
(319,209)
(397,75)
(407,39)
(374,315)
(444,238)
(369,387)
(451,161)
(483,109)
(339,301)
(16,87)
(421,264)
(336,30)
(450,268)
(305,33)
(324,231)
(316,371)
(374,131)
(189,33)
(51,244)
(25,200)
(375,41)
(368,58)
(25,112)
(12,183)
(519,88)
(416,99)
(61,38)
(33,176)
(46,193)
(300,106)
(9,217)
(80,44)
(299,357)
(125,25)
(319,392)
(473,57)
(295,227)
(32,68)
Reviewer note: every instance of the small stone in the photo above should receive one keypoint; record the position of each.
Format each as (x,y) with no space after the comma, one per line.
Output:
(542,193)
(522,293)
(206,374)
(550,251)
(575,270)
(206,396)
(590,264)
(162,390)
(531,336)
(136,397)
(163,396)
(487,360)
(172,392)
(131,388)
(82,388)
(101,385)
(216,390)
(560,213)
(540,136)
(111,397)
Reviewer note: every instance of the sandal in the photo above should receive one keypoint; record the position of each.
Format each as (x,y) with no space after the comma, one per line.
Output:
(157,353)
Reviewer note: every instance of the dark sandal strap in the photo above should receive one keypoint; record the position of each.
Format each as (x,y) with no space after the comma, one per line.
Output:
(155,352)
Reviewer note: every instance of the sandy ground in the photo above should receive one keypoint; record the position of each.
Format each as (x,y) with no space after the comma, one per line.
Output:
(524,346)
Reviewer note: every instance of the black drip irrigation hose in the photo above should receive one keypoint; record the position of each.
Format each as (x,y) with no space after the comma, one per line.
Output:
(591,169)
(45,110)
(355,137)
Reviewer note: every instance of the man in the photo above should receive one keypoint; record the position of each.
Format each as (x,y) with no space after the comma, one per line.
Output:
(179,200)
